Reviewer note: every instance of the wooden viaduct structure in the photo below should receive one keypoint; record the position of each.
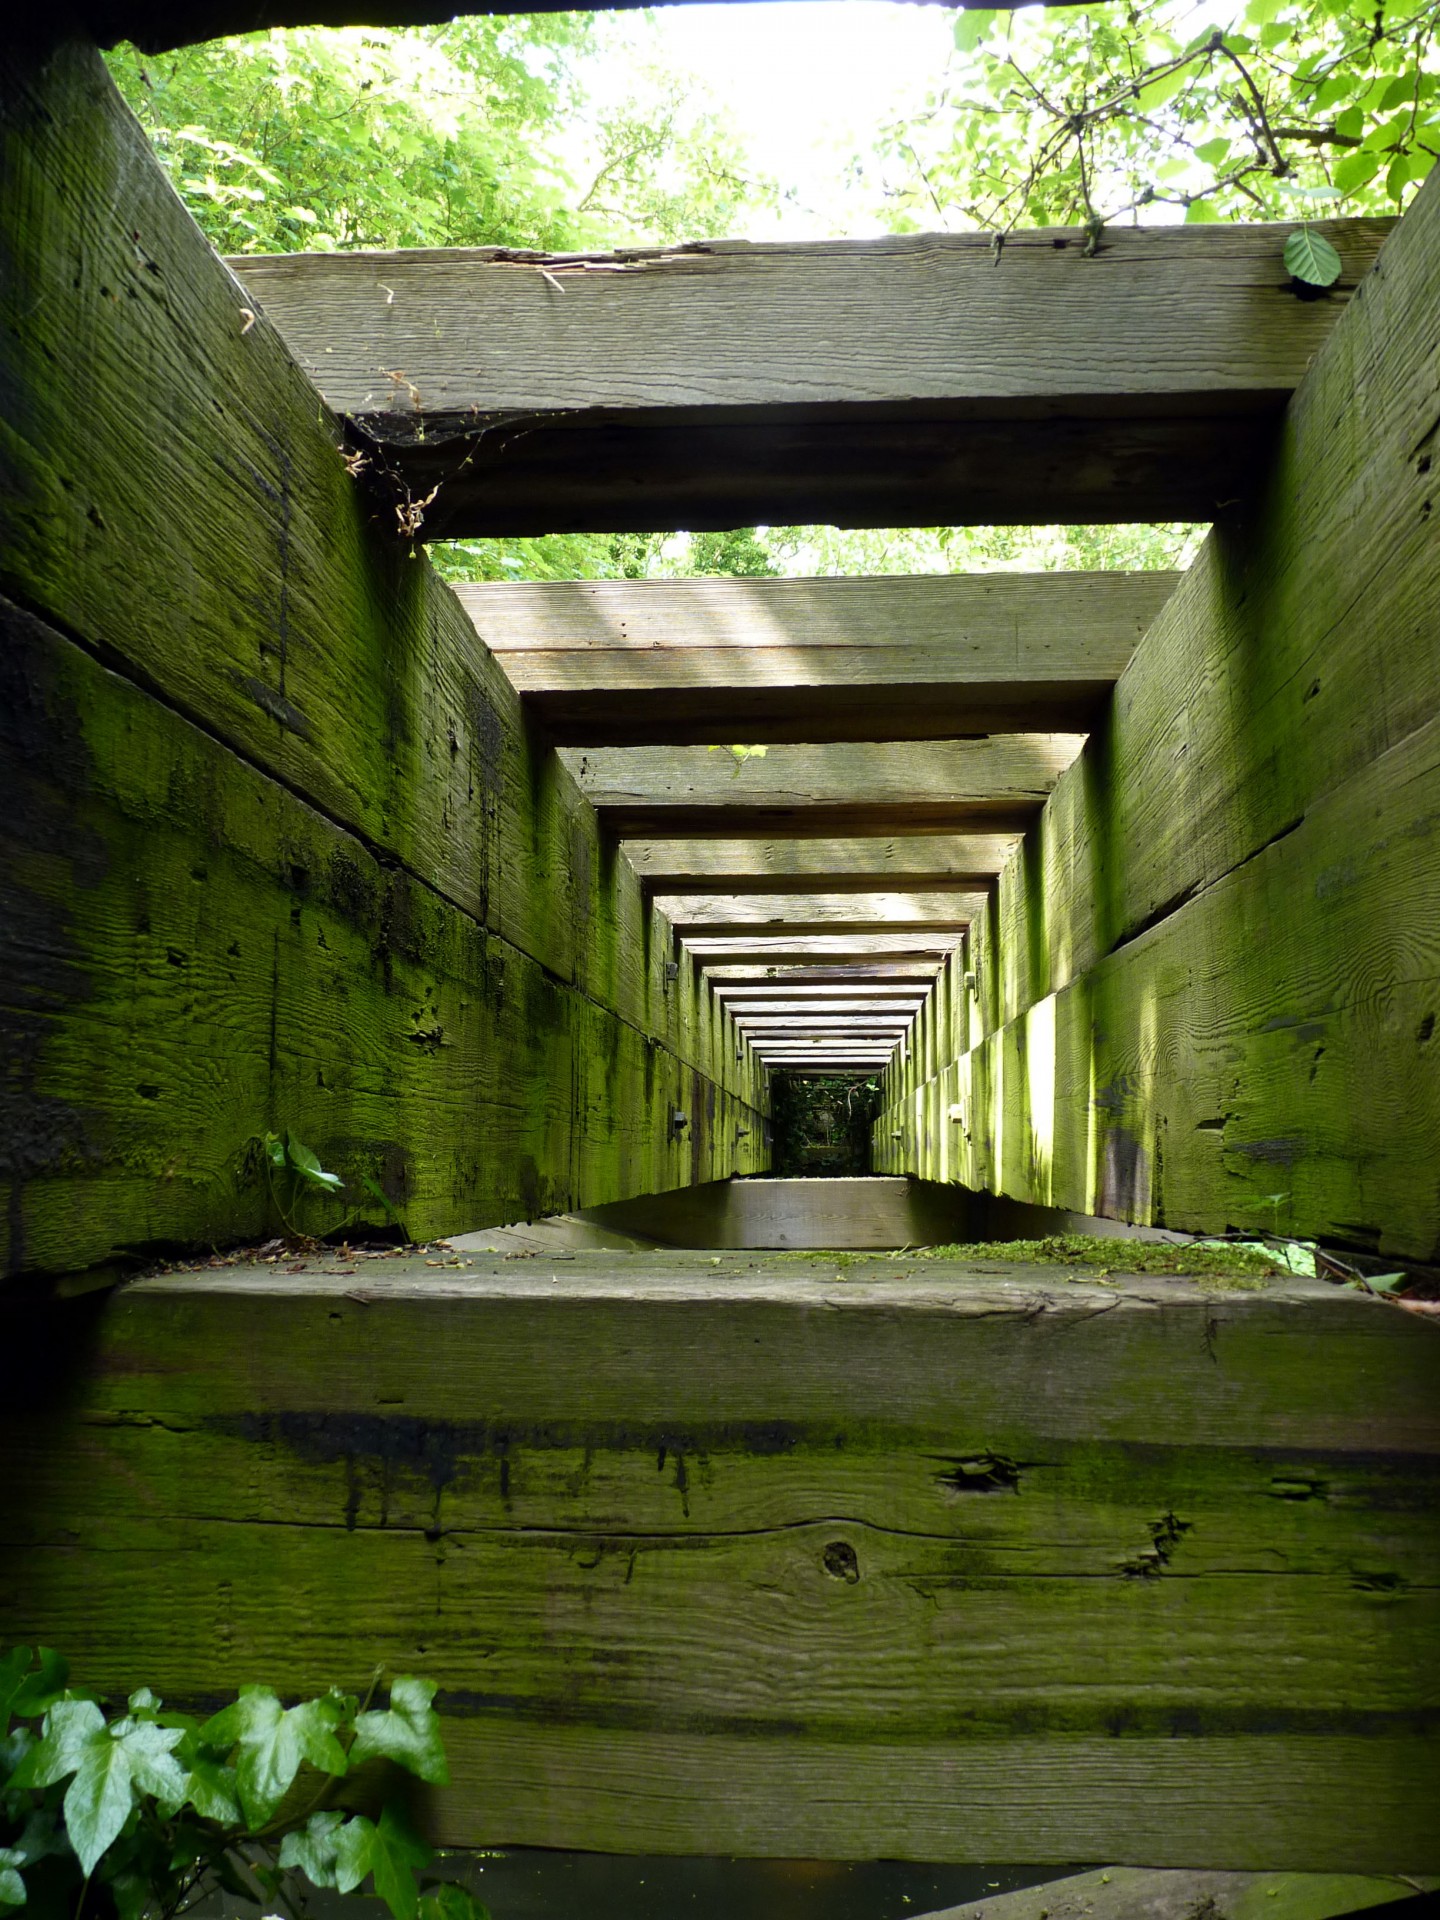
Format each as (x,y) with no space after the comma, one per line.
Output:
(1131,884)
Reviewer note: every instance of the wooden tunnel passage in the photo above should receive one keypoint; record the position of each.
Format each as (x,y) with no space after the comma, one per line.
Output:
(1126,886)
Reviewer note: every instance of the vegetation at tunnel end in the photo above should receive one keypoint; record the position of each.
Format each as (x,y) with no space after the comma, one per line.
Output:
(143,1813)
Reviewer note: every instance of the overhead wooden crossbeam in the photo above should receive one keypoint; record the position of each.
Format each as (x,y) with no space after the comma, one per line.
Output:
(741,913)
(747,1011)
(818,792)
(156,26)
(907,380)
(634,662)
(909,973)
(811,949)
(896,864)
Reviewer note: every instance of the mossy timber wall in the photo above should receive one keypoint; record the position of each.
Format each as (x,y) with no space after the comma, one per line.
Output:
(1206,991)
(278,849)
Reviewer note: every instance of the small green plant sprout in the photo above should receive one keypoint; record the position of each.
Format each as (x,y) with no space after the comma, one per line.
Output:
(144,1813)
(293,1170)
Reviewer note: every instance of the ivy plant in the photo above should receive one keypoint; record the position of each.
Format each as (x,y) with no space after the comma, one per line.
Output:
(142,1813)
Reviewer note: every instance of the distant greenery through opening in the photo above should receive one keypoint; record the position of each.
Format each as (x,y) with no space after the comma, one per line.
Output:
(821,1124)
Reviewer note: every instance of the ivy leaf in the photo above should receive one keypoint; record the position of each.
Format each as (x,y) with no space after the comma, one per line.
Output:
(274,1150)
(1310,257)
(308,1166)
(26,1693)
(210,1787)
(312,1849)
(12,1887)
(390,1853)
(1385,1282)
(272,1742)
(110,1765)
(449,1902)
(409,1733)
(972,26)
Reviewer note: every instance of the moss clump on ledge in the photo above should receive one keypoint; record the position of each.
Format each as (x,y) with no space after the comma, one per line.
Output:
(1209,1259)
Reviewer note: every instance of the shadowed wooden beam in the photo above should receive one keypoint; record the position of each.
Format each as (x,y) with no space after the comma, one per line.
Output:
(897,864)
(672,662)
(796,950)
(746,1011)
(159,25)
(905,975)
(819,792)
(777,1025)
(905,380)
(714,914)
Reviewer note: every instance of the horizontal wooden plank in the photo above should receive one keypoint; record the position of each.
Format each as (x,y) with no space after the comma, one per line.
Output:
(818,792)
(899,864)
(736,911)
(809,949)
(1132,1893)
(901,380)
(634,662)
(1037,1531)
(900,974)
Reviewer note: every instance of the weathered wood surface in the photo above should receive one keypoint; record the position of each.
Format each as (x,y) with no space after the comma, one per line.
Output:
(901,864)
(189,955)
(731,910)
(1263,1057)
(902,380)
(632,662)
(157,25)
(818,792)
(280,849)
(903,975)
(1137,1893)
(856,1214)
(787,950)
(1266,778)
(712,1556)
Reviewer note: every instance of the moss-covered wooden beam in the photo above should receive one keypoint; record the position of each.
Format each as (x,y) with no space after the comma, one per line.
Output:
(902,380)
(632,662)
(1207,991)
(781,1557)
(903,863)
(282,850)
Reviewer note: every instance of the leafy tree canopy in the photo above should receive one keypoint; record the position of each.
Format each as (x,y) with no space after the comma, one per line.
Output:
(1266,109)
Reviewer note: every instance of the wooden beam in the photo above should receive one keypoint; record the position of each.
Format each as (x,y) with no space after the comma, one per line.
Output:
(819,792)
(977,1566)
(745,1015)
(634,662)
(897,381)
(818,912)
(908,973)
(1135,1893)
(809,949)
(156,26)
(897,864)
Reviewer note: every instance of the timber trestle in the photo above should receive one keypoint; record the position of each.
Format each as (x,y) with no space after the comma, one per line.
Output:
(1125,885)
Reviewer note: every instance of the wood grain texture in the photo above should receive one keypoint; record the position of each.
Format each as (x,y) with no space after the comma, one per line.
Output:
(189,955)
(895,381)
(1133,1893)
(818,792)
(282,849)
(1266,776)
(786,1535)
(625,663)
(1263,1058)
(901,864)
(731,910)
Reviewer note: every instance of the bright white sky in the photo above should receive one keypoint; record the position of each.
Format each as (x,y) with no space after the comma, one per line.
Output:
(807,83)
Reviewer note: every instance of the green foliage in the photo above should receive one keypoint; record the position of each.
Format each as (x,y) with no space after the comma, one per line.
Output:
(1311,258)
(821,1124)
(452,136)
(1085,116)
(143,1813)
